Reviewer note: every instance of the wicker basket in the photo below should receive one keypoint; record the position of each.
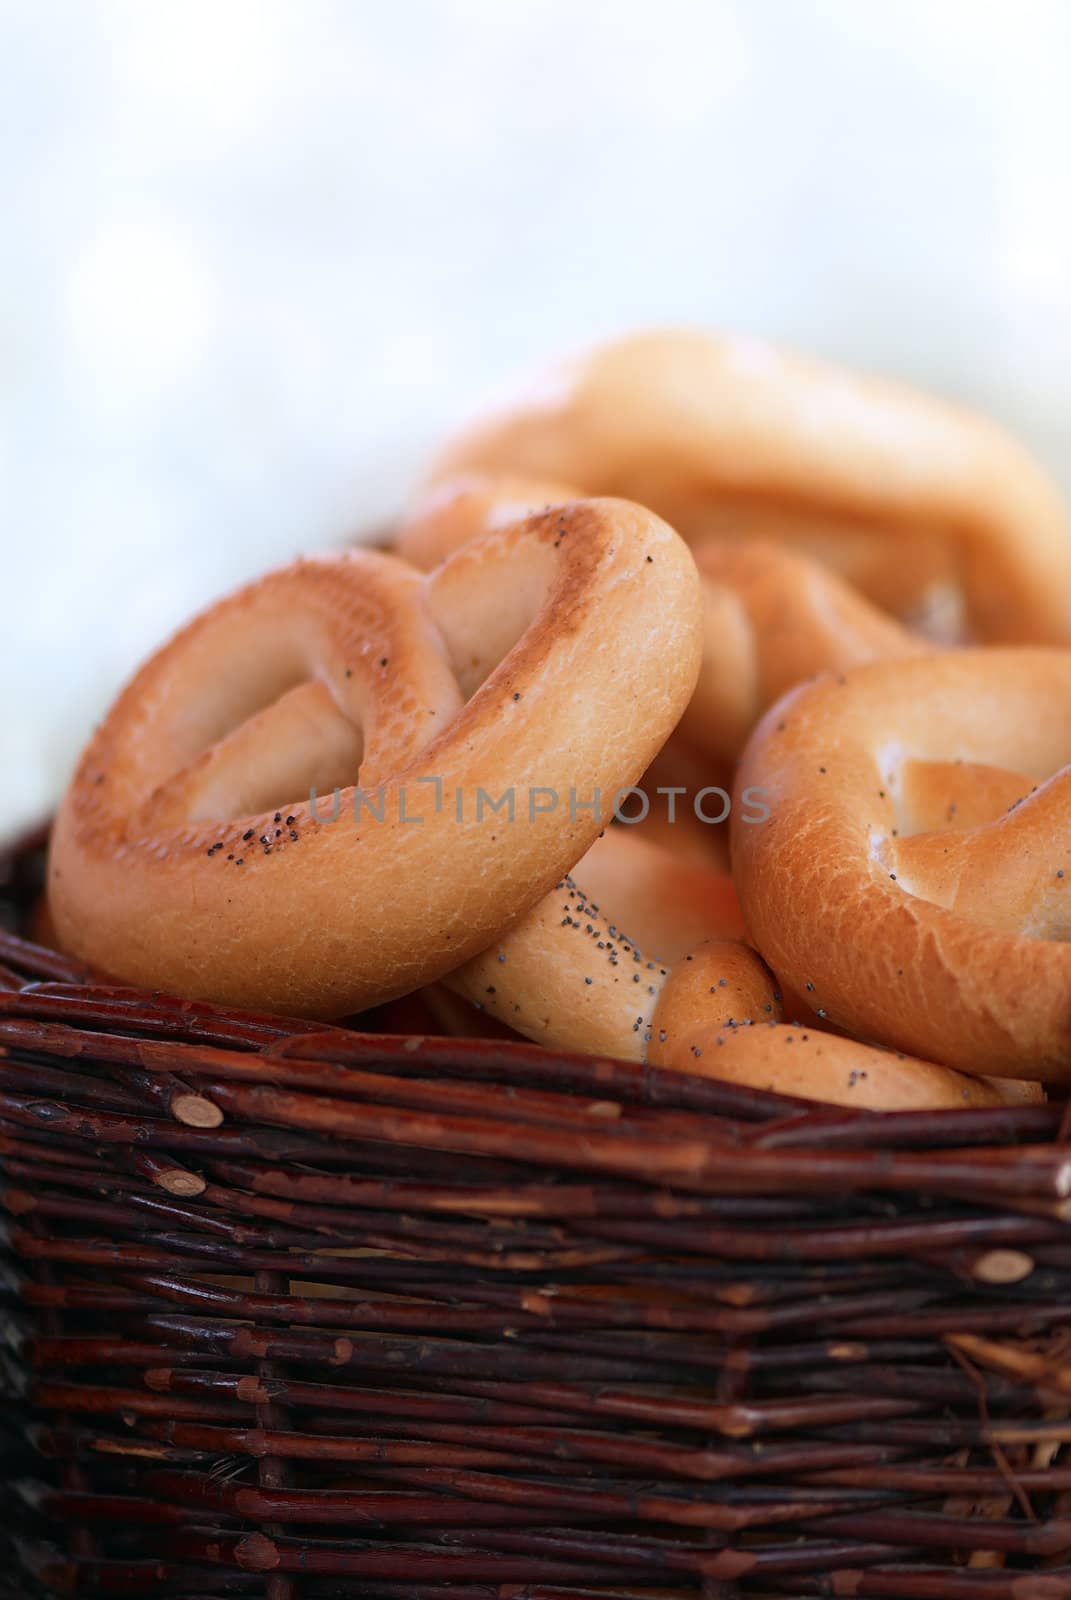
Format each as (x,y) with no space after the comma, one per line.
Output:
(296,1312)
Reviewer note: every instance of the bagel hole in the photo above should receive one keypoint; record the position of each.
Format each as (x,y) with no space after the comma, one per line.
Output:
(271,790)
(483,608)
(951,796)
(301,743)
(254,682)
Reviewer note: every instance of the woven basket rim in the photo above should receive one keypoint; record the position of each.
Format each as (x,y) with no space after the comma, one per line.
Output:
(298,1311)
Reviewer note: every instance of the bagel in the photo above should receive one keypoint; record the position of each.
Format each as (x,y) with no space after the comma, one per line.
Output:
(810,1064)
(771,617)
(943,940)
(584,968)
(639,956)
(188,853)
(921,504)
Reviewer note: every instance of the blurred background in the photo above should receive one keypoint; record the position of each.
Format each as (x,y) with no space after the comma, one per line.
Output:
(256,257)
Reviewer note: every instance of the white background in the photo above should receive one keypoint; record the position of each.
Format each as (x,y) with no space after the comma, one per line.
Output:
(254,258)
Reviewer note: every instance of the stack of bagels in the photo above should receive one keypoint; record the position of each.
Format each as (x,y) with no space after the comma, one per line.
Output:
(711,709)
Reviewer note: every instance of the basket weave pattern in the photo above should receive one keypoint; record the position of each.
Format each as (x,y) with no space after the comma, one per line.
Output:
(294,1311)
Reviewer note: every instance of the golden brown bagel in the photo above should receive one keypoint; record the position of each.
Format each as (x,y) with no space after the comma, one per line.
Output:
(688,995)
(789,1058)
(949,944)
(909,497)
(666,903)
(580,970)
(771,617)
(186,854)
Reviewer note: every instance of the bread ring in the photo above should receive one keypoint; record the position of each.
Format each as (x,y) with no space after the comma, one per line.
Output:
(948,944)
(184,855)
(793,1059)
(460,510)
(667,904)
(576,974)
(569,975)
(907,496)
(771,617)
